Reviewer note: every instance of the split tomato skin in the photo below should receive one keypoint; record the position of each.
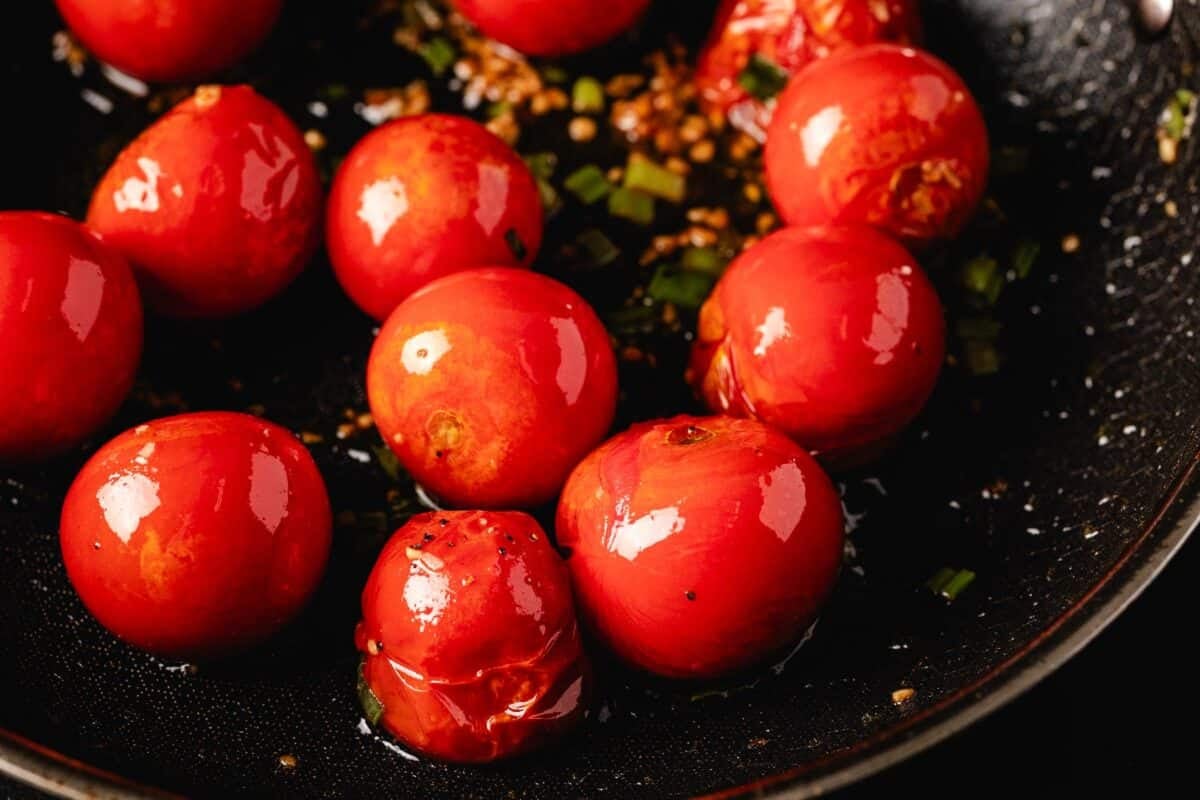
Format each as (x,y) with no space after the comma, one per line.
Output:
(216,205)
(171,40)
(833,335)
(491,384)
(883,135)
(469,637)
(70,334)
(552,27)
(790,34)
(700,546)
(423,197)
(198,535)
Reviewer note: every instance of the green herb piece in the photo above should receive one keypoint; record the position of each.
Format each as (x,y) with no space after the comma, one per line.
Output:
(333,91)
(589,184)
(680,287)
(387,461)
(439,54)
(632,319)
(542,165)
(978,328)
(703,259)
(1025,256)
(598,248)
(655,180)
(762,78)
(587,96)
(519,250)
(550,199)
(981,357)
(981,276)
(632,205)
(950,583)
(498,109)
(371,706)
(552,73)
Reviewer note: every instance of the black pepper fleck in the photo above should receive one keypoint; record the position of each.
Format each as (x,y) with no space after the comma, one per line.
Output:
(690,595)
(501,550)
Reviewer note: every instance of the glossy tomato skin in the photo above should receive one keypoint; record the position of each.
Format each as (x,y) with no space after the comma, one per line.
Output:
(70,334)
(425,196)
(699,546)
(882,135)
(552,27)
(216,205)
(832,335)
(491,384)
(469,637)
(197,535)
(790,34)
(170,40)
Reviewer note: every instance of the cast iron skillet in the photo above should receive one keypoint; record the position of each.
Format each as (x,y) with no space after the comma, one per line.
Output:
(1065,482)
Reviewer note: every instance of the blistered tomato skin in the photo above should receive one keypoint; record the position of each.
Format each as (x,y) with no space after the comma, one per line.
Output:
(883,135)
(425,196)
(832,335)
(469,637)
(552,27)
(491,384)
(789,34)
(171,40)
(700,546)
(216,205)
(197,535)
(70,334)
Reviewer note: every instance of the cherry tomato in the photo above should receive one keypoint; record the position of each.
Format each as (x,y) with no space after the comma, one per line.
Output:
(217,205)
(197,535)
(789,34)
(491,384)
(882,135)
(171,40)
(425,196)
(469,637)
(552,27)
(834,336)
(70,334)
(699,546)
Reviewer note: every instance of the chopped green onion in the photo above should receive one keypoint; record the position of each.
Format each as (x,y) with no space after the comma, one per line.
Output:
(703,259)
(439,54)
(515,244)
(762,78)
(388,461)
(1185,97)
(498,109)
(587,96)
(588,184)
(542,165)
(552,73)
(1025,256)
(950,583)
(684,289)
(632,319)
(978,328)
(632,205)
(550,199)
(371,706)
(599,248)
(333,91)
(644,175)
(981,357)
(981,276)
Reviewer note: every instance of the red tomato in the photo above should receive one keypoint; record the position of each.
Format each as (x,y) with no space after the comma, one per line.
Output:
(882,135)
(423,197)
(70,334)
(789,34)
(470,639)
(700,545)
(552,27)
(197,535)
(834,336)
(491,384)
(217,205)
(171,40)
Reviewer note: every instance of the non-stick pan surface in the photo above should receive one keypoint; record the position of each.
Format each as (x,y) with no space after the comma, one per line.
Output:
(1064,481)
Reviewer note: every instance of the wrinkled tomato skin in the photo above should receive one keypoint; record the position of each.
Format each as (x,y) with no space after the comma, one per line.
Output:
(197,535)
(171,40)
(469,637)
(699,546)
(552,27)
(883,135)
(216,205)
(491,384)
(70,334)
(790,34)
(832,335)
(422,197)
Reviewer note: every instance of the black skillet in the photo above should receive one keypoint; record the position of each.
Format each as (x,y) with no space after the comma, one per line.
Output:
(1065,481)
